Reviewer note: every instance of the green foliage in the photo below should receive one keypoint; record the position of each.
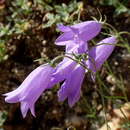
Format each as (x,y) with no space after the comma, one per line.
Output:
(3,117)
(63,14)
(126,125)
(121,7)
(27,18)
(3,55)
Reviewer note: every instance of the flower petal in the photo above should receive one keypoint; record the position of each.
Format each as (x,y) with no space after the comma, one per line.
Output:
(81,47)
(100,53)
(89,31)
(31,88)
(63,28)
(62,70)
(64,38)
(24,108)
(72,48)
(72,85)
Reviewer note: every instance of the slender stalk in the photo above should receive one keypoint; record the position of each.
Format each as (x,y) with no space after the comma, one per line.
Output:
(103,102)
(62,56)
(109,25)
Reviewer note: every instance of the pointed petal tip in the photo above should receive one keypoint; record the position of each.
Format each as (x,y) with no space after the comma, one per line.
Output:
(7,94)
(34,115)
(61,96)
(12,99)
(9,100)
(24,108)
(73,100)
(23,115)
(63,28)
(32,109)
(71,104)
(4,94)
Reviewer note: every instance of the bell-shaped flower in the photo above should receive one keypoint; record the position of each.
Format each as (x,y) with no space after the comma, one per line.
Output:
(31,89)
(72,74)
(62,70)
(100,53)
(72,86)
(77,35)
(85,31)
(67,71)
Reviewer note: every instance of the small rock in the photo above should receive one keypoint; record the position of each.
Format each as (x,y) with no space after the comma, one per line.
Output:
(75,121)
(111,79)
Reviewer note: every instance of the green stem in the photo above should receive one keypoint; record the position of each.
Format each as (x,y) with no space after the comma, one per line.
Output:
(124,32)
(109,25)
(62,56)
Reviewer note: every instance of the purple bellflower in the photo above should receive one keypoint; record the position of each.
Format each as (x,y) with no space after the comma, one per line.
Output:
(31,89)
(100,53)
(72,85)
(72,74)
(67,71)
(62,70)
(76,36)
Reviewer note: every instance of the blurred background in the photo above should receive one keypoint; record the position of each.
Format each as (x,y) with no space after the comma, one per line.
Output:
(28,32)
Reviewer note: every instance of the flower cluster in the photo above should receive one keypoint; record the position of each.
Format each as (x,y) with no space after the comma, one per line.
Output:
(71,72)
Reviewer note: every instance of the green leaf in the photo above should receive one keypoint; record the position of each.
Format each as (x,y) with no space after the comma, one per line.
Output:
(121,9)
(3,117)
(109,2)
